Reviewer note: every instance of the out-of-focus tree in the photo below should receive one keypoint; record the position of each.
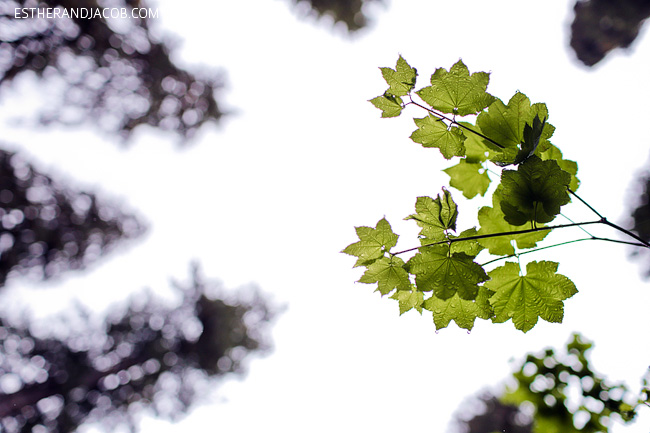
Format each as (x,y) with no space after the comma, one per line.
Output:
(149,355)
(47,228)
(349,12)
(112,71)
(640,216)
(492,415)
(600,26)
(560,393)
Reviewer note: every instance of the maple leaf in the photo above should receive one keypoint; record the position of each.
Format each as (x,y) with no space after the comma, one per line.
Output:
(534,192)
(506,124)
(456,91)
(470,247)
(468,177)
(567,165)
(401,79)
(435,216)
(475,148)
(409,299)
(373,242)
(461,311)
(388,273)
(492,220)
(433,132)
(437,269)
(526,298)
(390,105)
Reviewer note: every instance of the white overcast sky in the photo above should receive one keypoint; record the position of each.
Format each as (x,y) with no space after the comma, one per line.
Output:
(275,192)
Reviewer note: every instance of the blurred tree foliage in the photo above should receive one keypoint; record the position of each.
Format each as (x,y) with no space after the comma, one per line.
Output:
(115,72)
(47,228)
(149,355)
(494,416)
(349,12)
(559,393)
(600,26)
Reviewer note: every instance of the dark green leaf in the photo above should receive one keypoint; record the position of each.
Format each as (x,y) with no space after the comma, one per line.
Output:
(534,192)
(437,269)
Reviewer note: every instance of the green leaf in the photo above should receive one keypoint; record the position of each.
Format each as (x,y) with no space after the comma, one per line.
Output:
(389,273)
(435,216)
(390,105)
(437,269)
(567,165)
(475,149)
(535,192)
(506,125)
(457,92)
(433,132)
(373,242)
(401,79)
(532,135)
(463,312)
(468,177)
(492,220)
(526,298)
(408,300)
(470,247)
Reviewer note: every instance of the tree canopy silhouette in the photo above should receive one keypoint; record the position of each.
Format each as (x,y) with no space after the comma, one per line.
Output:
(114,72)
(48,228)
(149,355)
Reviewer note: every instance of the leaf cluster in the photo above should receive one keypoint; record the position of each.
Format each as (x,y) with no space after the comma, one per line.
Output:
(503,147)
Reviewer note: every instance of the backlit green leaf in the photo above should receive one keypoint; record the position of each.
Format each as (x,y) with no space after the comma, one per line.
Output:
(492,220)
(390,106)
(456,91)
(463,312)
(389,273)
(373,242)
(437,269)
(401,79)
(433,132)
(505,124)
(468,177)
(435,216)
(408,300)
(526,298)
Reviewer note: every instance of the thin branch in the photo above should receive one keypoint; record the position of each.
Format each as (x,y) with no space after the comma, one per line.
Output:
(453,122)
(627,232)
(586,204)
(593,238)
(492,235)
(611,224)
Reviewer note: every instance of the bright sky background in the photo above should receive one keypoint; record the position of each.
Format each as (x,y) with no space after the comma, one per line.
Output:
(276,191)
